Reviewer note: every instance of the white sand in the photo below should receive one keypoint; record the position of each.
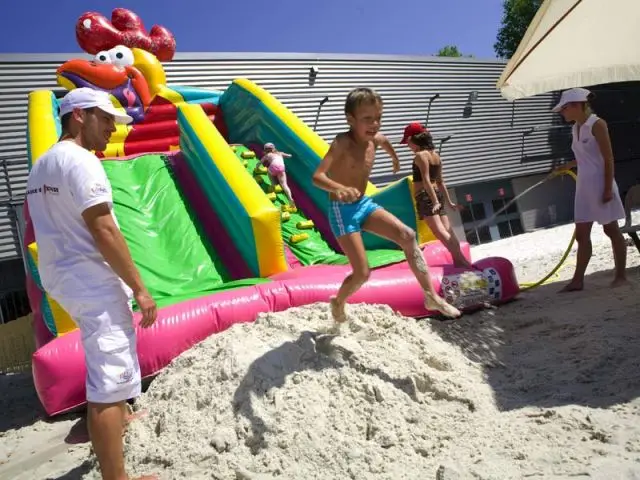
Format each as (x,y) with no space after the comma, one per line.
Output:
(545,387)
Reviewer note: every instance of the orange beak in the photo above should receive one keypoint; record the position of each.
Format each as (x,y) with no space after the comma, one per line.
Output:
(83,73)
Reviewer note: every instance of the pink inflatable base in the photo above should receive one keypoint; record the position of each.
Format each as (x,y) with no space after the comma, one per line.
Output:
(59,369)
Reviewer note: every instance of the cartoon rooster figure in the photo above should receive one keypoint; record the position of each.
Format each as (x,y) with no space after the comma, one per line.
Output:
(126,61)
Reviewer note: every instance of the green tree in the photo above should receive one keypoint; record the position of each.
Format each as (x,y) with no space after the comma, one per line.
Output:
(516,17)
(450,51)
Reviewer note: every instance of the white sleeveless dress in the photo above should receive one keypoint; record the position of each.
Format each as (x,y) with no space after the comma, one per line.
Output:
(590,184)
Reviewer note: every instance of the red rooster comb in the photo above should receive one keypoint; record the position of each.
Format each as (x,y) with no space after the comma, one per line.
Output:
(96,33)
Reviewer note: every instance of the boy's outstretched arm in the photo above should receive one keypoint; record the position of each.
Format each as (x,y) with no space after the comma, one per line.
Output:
(384,142)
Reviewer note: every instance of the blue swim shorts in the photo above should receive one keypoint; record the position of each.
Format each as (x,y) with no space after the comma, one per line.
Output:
(346,218)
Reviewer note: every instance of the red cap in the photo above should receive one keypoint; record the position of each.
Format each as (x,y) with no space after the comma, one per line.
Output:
(411,130)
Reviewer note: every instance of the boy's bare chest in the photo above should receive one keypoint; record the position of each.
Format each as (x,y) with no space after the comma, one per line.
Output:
(357,158)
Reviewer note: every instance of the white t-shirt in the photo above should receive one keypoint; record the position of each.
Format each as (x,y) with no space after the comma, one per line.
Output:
(64,182)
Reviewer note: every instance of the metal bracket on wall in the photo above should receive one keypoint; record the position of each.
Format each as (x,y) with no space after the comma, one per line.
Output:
(322,102)
(535,129)
(431,100)
(443,140)
(7,179)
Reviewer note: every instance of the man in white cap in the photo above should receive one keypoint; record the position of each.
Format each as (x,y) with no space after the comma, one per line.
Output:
(85,264)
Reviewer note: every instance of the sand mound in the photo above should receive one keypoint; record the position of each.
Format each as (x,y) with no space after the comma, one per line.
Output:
(387,398)
(279,399)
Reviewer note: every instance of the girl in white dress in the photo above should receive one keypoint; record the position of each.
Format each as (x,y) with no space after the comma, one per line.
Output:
(597,198)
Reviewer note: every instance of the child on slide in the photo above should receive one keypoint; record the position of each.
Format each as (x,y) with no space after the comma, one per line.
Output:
(344,173)
(274,161)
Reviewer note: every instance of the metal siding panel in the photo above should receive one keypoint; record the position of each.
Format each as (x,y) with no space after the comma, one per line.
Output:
(8,235)
(487,145)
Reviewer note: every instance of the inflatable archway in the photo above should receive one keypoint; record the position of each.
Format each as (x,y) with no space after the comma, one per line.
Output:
(215,243)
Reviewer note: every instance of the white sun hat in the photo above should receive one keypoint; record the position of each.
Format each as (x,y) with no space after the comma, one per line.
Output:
(571,95)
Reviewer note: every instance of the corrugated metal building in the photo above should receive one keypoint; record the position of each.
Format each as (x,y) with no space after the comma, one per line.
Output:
(492,149)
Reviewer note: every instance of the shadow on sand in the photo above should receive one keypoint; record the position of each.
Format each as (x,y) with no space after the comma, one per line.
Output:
(549,349)
(19,403)
(77,473)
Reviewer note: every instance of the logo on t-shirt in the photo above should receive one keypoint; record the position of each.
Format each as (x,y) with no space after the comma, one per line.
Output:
(50,190)
(98,189)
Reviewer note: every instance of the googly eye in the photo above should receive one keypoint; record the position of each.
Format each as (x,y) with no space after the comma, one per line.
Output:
(121,56)
(103,57)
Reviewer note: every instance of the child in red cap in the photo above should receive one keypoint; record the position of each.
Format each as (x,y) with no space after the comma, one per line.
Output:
(430,190)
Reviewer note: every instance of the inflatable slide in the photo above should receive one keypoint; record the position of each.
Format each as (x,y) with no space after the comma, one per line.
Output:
(215,243)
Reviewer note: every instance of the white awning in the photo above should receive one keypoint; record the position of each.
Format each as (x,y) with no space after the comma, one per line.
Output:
(575,43)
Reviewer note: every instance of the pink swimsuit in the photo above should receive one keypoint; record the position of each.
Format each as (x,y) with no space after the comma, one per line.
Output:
(275,163)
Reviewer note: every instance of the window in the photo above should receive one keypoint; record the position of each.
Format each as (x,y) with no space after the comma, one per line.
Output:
(478,211)
(504,229)
(509,228)
(484,234)
(476,236)
(499,203)
(466,216)
(516,226)
(473,213)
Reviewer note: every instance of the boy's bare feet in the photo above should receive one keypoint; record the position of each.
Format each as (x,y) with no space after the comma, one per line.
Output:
(436,303)
(337,311)
(572,286)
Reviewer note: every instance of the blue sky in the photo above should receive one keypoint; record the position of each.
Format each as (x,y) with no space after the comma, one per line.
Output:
(316,26)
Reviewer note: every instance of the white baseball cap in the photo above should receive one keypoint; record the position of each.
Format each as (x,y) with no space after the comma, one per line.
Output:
(571,95)
(88,98)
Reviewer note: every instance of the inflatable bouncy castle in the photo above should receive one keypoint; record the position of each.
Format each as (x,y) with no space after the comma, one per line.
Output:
(215,243)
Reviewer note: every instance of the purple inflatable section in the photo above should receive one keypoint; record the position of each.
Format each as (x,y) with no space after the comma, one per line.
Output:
(208,219)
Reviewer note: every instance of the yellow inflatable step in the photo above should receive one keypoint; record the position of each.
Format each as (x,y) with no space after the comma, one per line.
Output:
(272,196)
(277,189)
(305,225)
(245,164)
(259,179)
(285,216)
(260,170)
(298,237)
(248,154)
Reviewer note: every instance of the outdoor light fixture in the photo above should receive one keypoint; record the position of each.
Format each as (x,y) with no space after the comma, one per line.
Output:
(468,108)
(313,74)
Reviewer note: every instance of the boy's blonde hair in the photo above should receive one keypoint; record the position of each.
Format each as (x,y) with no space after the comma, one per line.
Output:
(361,96)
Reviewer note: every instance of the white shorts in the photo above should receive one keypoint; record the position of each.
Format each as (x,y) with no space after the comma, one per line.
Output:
(109,342)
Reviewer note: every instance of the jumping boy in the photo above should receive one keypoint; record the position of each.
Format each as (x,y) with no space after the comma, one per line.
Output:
(344,173)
